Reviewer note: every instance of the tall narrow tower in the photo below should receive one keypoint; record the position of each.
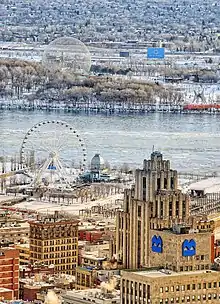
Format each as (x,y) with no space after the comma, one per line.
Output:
(154,203)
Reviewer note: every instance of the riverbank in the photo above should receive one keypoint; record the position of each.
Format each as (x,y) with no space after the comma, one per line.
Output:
(113,108)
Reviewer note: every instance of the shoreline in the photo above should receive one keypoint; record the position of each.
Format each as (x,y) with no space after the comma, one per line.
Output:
(97,109)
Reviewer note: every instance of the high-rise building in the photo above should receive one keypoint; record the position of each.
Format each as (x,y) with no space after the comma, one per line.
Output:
(54,241)
(171,253)
(155,202)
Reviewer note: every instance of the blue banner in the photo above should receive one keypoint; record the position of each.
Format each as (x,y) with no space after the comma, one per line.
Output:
(155,53)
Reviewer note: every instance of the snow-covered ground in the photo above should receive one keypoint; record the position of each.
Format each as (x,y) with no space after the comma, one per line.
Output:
(46,206)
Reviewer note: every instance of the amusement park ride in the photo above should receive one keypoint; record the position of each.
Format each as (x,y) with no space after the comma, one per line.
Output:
(53,159)
(47,153)
(52,155)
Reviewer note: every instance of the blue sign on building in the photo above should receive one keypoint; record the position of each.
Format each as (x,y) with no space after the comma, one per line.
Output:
(188,248)
(157,244)
(155,53)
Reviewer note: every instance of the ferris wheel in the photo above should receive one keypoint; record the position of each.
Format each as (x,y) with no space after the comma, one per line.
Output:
(53,152)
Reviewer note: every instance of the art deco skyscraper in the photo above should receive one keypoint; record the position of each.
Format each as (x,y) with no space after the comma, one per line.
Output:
(154,203)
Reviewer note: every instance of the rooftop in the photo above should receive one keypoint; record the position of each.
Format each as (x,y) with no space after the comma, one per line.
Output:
(206,184)
(156,273)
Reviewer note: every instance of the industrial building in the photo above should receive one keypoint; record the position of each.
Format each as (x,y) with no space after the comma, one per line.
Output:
(54,241)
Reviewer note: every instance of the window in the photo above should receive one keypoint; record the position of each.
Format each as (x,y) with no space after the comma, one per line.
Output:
(183,287)
(209,285)
(161,289)
(172,288)
(199,286)
(193,286)
(139,211)
(166,288)
(188,286)
(204,285)
(215,284)
(177,288)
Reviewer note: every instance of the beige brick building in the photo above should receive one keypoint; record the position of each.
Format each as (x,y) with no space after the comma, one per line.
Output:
(153,203)
(172,256)
(156,286)
(172,252)
(54,240)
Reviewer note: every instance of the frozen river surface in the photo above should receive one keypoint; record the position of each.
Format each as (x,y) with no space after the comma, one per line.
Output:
(191,142)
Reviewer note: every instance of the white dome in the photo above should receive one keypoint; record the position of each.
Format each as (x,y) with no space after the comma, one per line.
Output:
(67,54)
(97,162)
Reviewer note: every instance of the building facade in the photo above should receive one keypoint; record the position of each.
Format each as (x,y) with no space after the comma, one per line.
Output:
(154,202)
(9,270)
(158,286)
(55,241)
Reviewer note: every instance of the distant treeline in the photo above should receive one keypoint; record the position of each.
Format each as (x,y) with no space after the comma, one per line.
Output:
(22,79)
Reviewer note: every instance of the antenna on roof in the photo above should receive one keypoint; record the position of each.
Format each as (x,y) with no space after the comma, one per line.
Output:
(153,148)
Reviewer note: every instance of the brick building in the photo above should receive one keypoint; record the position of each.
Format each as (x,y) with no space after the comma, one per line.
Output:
(9,270)
(54,240)
(158,286)
(171,252)
(153,203)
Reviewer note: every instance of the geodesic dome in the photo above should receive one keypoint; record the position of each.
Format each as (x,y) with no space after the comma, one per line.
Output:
(67,54)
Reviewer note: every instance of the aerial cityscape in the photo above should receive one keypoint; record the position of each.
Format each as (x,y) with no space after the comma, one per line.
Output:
(109,155)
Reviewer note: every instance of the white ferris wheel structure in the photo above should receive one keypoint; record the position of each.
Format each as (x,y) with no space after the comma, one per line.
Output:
(53,154)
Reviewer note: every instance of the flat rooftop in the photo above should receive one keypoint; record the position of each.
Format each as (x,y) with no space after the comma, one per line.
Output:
(206,184)
(168,273)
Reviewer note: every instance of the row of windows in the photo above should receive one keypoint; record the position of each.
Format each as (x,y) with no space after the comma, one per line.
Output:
(52,249)
(60,261)
(176,300)
(54,242)
(190,287)
(190,299)
(54,255)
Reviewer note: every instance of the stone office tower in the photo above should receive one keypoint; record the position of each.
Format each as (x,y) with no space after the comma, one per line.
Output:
(153,203)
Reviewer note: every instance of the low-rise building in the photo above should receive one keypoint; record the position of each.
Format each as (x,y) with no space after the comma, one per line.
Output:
(88,296)
(85,278)
(15,233)
(162,286)
(24,253)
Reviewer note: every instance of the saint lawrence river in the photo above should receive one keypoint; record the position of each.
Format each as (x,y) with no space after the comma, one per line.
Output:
(191,142)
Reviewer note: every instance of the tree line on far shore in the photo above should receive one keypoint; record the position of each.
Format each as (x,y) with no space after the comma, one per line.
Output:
(30,80)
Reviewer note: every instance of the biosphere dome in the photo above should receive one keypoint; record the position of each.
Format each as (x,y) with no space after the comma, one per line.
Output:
(67,54)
